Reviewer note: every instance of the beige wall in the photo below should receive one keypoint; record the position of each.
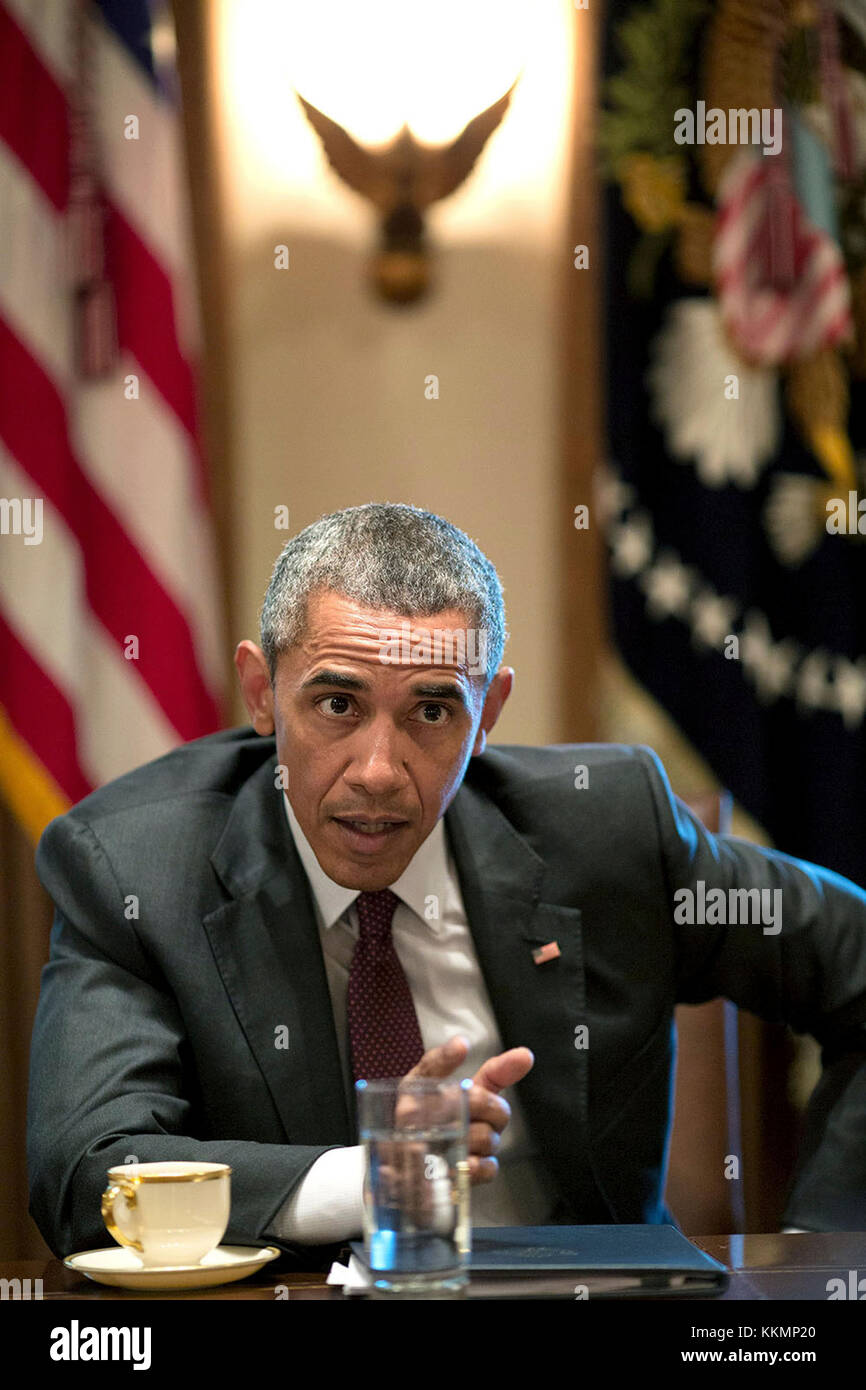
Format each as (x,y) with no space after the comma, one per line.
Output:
(329,407)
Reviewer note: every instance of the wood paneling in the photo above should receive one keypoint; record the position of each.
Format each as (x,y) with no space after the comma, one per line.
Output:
(25,922)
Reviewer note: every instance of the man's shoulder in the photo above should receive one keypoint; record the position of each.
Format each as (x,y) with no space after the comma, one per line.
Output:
(567,786)
(204,770)
(511,766)
(608,798)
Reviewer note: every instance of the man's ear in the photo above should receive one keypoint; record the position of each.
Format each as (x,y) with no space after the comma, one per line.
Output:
(256,686)
(497,693)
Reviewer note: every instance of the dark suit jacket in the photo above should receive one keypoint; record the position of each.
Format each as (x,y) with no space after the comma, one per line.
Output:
(185,936)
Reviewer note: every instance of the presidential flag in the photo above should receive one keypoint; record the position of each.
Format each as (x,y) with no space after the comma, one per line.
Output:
(734,145)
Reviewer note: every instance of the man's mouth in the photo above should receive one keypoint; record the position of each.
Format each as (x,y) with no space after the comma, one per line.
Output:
(371,827)
(366,834)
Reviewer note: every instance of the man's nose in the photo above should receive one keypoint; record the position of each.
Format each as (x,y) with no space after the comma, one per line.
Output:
(377,764)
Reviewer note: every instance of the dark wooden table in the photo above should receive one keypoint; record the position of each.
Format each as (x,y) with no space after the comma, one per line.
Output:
(763,1267)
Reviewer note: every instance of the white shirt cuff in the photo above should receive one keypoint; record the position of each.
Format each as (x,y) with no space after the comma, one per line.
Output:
(328,1203)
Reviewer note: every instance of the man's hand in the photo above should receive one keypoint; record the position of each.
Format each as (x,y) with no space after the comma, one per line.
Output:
(488,1112)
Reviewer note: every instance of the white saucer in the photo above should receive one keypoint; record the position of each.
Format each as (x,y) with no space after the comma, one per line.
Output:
(122,1268)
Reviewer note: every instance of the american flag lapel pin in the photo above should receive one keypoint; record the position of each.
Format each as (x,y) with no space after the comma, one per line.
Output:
(547,952)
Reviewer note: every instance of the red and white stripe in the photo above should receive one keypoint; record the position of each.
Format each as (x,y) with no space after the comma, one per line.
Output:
(768,324)
(128,544)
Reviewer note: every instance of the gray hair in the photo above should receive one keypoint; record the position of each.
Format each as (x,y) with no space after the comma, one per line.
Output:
(384,555)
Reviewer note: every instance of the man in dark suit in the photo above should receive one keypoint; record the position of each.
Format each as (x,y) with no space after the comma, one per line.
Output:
(251,922)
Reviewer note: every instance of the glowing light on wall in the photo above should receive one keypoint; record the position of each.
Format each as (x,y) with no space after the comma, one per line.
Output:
(373,67)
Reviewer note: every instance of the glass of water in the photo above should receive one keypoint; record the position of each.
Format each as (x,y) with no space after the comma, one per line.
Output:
(416,1187)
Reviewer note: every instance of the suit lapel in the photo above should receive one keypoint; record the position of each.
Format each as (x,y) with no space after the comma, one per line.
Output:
(537,1005)
(266,946)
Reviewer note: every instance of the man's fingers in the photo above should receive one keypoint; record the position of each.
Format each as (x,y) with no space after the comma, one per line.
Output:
(489,1113)
(482,1169)
(504,1070)
(483,1141)
(488,1108)
(440,1061)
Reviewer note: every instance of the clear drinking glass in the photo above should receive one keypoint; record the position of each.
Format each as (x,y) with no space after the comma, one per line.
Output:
(416,1188)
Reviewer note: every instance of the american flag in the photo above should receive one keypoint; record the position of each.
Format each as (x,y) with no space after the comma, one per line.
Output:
(109,627)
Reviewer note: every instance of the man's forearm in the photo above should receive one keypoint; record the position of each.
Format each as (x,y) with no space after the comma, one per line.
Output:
(65,1194)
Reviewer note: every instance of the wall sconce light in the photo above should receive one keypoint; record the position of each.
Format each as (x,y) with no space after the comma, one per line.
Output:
(402,179)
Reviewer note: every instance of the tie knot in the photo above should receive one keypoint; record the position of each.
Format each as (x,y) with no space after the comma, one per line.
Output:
(376,910)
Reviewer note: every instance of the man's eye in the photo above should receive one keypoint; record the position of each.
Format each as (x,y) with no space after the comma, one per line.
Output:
(430,714)
(335,704)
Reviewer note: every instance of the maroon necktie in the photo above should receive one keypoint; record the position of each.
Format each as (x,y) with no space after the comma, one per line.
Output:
(383,1026)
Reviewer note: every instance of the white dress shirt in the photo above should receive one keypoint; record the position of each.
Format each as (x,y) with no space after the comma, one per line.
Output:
(433,942)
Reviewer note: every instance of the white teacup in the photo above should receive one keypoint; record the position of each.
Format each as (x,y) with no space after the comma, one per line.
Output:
(169,1213)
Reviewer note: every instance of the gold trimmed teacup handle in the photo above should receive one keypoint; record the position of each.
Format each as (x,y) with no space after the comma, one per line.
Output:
(109,1197)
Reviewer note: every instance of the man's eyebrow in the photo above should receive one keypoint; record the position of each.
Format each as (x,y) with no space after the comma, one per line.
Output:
(426,690)
(337,678)
(446,690)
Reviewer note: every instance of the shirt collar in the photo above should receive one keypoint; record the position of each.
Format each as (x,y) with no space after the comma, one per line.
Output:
(425,876)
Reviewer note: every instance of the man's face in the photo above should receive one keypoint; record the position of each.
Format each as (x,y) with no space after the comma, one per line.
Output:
(374,751)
